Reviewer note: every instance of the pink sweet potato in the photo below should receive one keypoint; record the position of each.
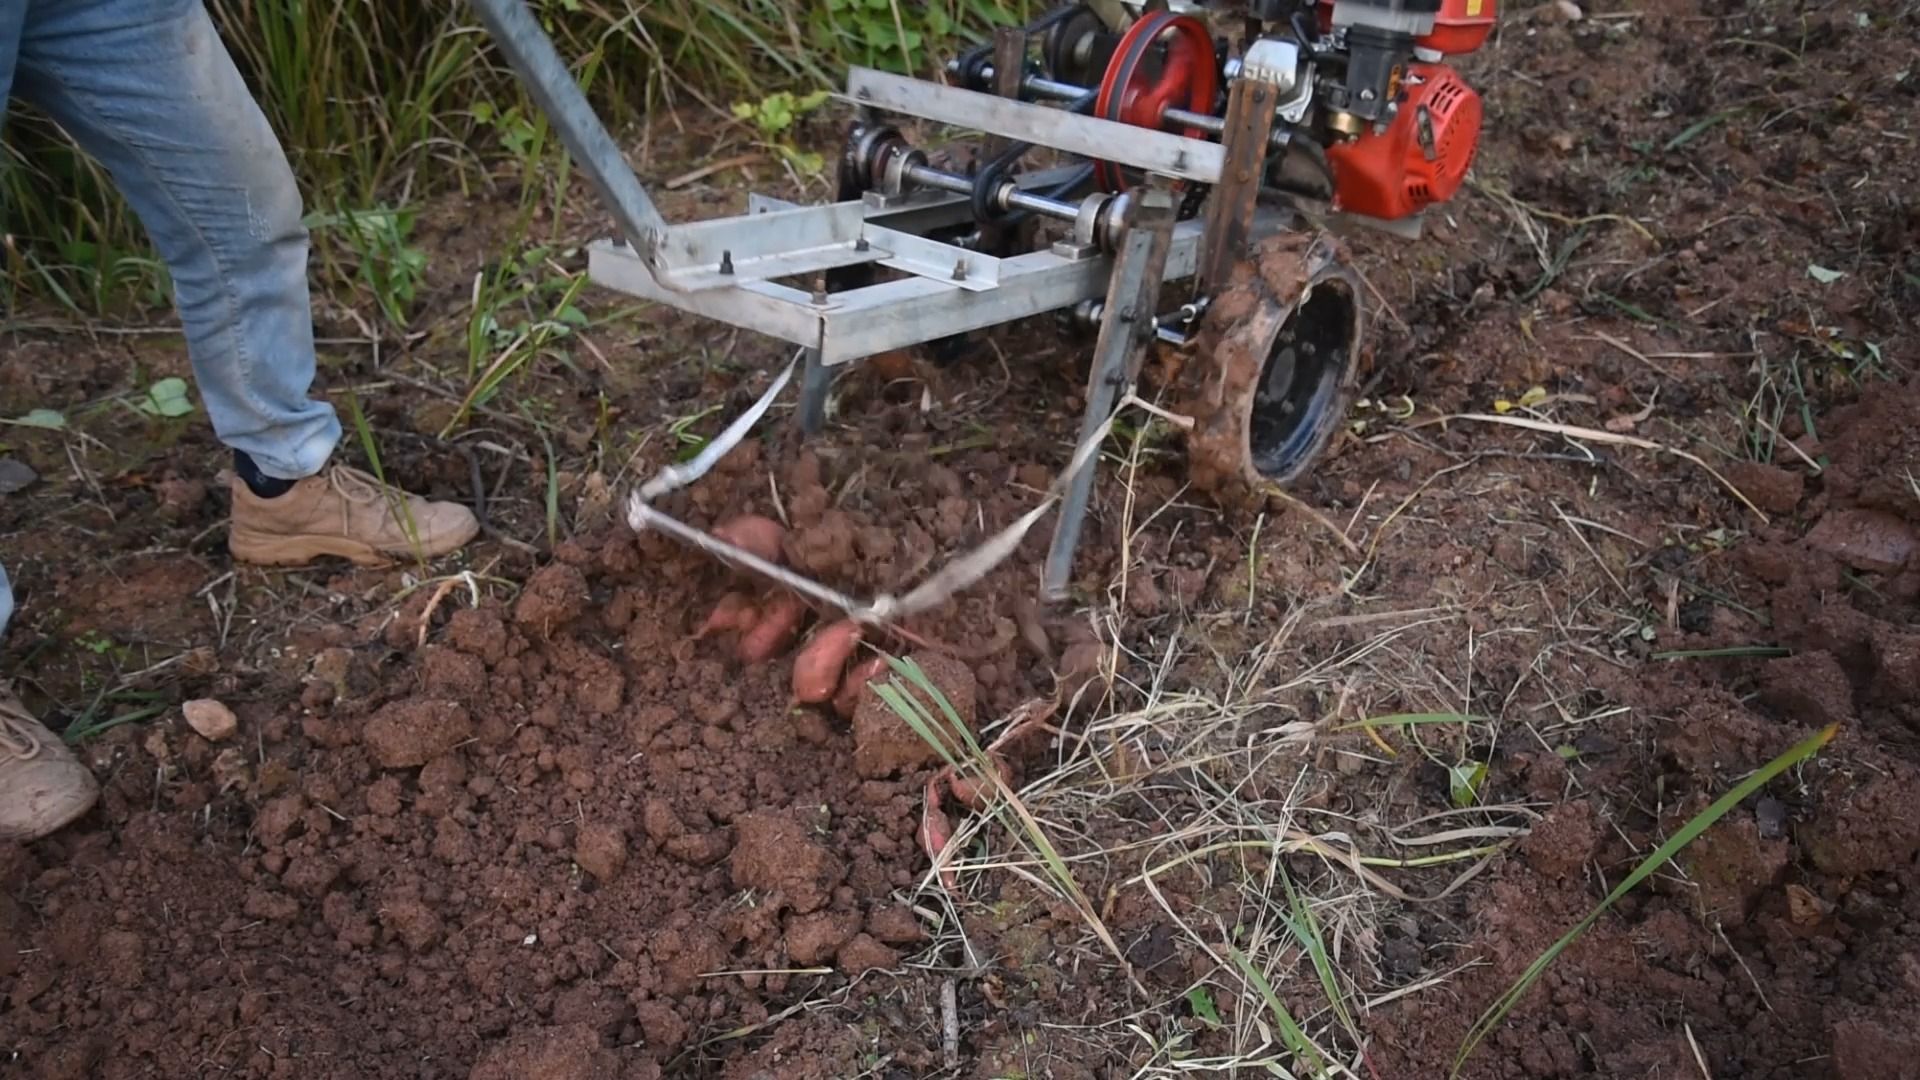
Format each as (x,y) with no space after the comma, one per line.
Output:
(848,699)
(779,623)
(816,671)
(735,611)
(751,532)
(972,792)
(936,831)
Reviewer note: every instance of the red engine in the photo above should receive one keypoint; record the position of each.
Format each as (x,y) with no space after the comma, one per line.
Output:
(1460,27)
(1420,159)
(1391,163)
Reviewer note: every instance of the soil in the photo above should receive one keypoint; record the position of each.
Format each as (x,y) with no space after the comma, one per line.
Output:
(509,817)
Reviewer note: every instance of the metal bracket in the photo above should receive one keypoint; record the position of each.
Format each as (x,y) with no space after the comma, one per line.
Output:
(1126,326)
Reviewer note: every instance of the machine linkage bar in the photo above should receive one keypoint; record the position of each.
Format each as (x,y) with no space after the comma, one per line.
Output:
(1109,140)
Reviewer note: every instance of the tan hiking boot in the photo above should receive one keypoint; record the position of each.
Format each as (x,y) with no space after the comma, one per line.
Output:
(346,513)
(43,787)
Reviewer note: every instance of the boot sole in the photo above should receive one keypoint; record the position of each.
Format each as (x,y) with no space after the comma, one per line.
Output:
(265,549)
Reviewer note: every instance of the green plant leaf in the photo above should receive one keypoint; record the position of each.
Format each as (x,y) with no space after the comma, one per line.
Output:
(1463,782)
(48,419)
(1202,1005)
(1700,823)
(1398,719)
(1290,1031)
(167,398)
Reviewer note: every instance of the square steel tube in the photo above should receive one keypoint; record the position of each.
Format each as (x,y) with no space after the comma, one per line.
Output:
(858,323)
(1104,140)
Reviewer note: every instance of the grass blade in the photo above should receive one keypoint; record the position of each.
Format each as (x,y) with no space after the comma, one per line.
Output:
(1290,1031)
(1700,823)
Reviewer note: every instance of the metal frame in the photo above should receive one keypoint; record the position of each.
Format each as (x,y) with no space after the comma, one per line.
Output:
(731,269)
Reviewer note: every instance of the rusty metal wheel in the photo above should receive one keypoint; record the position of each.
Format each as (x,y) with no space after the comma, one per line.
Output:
(1274,368)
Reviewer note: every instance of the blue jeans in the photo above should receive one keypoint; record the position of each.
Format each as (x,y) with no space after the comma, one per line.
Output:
(147,88)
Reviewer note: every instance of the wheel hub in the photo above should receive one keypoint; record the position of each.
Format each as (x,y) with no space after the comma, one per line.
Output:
(1278,354)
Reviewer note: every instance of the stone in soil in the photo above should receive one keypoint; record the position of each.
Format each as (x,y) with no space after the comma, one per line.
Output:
(211,719)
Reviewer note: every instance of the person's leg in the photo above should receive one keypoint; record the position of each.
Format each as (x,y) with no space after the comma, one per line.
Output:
(43,787)
(147,87)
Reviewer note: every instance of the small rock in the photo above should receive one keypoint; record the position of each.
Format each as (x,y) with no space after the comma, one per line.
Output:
(15,475)
(211,719)
(1564,11)
(1869,540)
(601,850)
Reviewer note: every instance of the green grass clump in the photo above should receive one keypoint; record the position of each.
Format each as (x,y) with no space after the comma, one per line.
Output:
(381,105)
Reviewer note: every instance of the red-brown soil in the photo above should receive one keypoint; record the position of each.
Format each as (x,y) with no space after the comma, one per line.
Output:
(526,826)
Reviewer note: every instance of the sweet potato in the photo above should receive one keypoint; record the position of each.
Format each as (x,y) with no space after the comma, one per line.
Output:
(751,532)
(816,671)
(779,624)
(864,672)
(972,793)
(735,611)
(935,833)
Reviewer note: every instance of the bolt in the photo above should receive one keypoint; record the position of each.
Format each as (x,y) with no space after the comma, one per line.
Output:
(726,262)
(860,244)
(960,270)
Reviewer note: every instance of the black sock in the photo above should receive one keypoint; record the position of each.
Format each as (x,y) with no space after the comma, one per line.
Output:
(262,485)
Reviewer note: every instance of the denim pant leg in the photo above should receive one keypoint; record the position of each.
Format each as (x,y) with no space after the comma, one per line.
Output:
(148,89)
(6,601)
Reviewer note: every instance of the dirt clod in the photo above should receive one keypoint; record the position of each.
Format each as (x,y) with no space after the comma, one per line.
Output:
(568,1052)
(1868,540)
(812,939)
(555,595)
(864,954)
(885,744)
(601,850)
(413,732)
(1773,489)
(775,854)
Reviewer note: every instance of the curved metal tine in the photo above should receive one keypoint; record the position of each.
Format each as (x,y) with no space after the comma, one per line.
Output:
(676,476)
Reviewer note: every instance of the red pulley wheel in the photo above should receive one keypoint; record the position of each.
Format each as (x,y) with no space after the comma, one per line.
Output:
(1131,93)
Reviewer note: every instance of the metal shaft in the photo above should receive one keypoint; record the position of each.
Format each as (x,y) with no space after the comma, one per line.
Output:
(1009,197)
(517,34)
